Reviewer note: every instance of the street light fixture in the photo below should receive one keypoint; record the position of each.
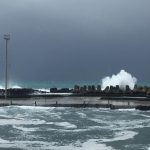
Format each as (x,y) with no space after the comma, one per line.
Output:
(6,38)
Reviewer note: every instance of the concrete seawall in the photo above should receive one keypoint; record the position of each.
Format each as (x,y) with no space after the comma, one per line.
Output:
(79,102)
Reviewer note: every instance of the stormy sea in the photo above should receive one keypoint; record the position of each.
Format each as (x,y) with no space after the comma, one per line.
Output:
(59,128)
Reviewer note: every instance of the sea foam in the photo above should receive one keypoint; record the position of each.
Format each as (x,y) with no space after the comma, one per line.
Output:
(123,135)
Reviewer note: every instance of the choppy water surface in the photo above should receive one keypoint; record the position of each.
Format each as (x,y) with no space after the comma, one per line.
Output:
(73,129)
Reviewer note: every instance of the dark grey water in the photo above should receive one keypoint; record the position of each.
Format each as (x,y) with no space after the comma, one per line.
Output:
(39,128)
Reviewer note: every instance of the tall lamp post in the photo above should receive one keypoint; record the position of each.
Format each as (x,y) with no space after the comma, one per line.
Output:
(6,38)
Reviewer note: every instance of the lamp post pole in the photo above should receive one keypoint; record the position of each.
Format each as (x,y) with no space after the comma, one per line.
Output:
(6,38)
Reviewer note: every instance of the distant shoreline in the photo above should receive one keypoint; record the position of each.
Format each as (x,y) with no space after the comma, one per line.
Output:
(84,96)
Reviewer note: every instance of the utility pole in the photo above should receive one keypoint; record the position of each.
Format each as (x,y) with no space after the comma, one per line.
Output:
(6,38)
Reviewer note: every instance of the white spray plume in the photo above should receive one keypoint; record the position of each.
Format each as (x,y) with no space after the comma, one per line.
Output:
(13,86)
(122,79)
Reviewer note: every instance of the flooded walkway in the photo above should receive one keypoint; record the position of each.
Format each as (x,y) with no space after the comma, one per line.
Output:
(75,102)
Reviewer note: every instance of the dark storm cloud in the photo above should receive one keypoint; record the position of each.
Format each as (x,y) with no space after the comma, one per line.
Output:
(76,39)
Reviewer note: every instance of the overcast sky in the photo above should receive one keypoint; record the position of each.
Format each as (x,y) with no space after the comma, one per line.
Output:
(75,39)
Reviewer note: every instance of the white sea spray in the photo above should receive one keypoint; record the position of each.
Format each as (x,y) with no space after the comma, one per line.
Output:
(122,79)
